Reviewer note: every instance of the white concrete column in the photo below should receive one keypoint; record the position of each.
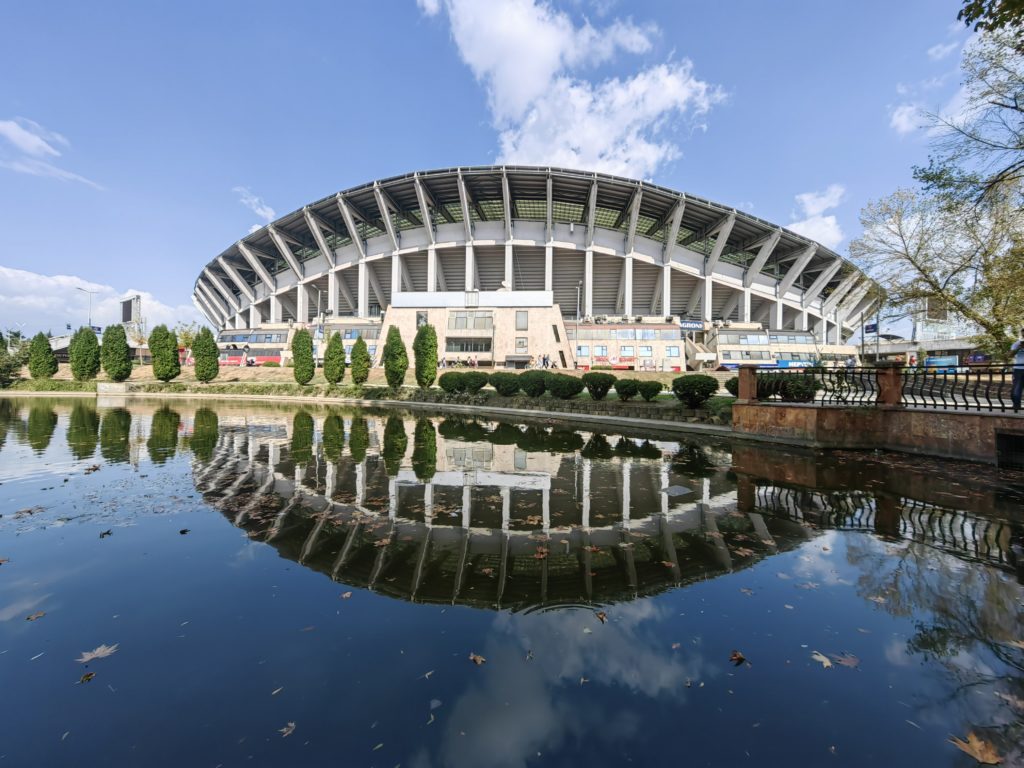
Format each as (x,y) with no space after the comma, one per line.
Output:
(705,304)
(364,291)
(666,290)
(705,491)
(274,454)
(301,303)
(428,503)
(548,266)
(240,321)
(431,268)
(467,504)
(508,267)
(506,507)
(586,493)
(360,482)
(777,316)
(392,497)
(626,467)
(332,293)
(275,309)
(588,284)
(545,508)
(801,322)
(470,267)
(255,317)
(396,274)
(745,306)
(627,290)
(332,479)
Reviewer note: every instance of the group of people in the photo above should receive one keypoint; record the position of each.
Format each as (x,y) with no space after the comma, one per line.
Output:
(544,362)
(472,362)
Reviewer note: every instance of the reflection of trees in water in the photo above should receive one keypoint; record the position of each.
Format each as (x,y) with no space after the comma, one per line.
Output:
(302,438)
(6,417)
(504,434)
(42,420)
(163,435)
(395,443)
(597,447)
(693,460)
(205,432)
(334,436)
(424,450)
(358,439)
(466,430)
(642,450)
(114,431)
(83,430)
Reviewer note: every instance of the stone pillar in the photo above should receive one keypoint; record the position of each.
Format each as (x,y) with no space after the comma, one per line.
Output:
(396,274)
(745,306)
(748,383)
(255,317)
(364,291)
(332,293)
(777,316)
(890,384)
(705,303)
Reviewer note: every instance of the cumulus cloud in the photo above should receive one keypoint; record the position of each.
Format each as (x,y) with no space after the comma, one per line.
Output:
(529,58)
(815,224)
(255,204)
(49,302)
(25,145)
(940,51)
(905,118)
(429,7)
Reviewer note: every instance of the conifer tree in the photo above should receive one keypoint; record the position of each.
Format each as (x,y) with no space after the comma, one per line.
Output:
(360,362)
(303,364)
(84,353)
(334,359)
(115,354)
(206,355)
(42,363)
(396,359)
(424,349)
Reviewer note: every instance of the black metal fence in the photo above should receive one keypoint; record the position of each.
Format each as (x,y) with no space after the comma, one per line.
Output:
(828,386)
(976,389)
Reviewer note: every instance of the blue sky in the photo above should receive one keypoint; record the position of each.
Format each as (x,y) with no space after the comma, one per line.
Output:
(132,134)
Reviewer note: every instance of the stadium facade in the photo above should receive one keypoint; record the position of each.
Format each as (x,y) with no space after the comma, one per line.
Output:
(514,265)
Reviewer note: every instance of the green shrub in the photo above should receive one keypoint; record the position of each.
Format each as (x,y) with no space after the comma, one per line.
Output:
(396,359)
(798,388)
(334,359)
(271,364)
(84,353)
(360,362)
(732,386)
(424,351)
(115,354)
(302,355)
(598,384)
(564,386)
(205,354)
(627,389)
(694,390)
(506,384)
(533,383)
(473,382)
(720,407)
(165,365)
(768,385)
(42,363)
(650,389)
(451,382)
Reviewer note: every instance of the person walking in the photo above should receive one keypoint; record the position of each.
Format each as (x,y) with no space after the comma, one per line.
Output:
(1017,348)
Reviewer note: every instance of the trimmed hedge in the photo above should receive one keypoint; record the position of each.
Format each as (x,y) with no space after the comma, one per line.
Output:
(163,348)
(564,386)
(450,382)
(627,389)
(732,386)
(694,390)
(474,381)
(533,383)
(650,390)
(598,384)
(506,384)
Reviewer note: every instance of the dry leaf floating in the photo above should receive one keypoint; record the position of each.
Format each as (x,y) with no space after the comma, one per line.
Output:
(822,659)
(477,659)
(977,748)
(36,615)
(288,730)
(99,652)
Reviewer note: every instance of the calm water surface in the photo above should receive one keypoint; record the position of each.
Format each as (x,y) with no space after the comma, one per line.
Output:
(305,587)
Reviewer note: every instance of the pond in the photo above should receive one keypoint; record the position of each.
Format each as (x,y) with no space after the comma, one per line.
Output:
(217,584)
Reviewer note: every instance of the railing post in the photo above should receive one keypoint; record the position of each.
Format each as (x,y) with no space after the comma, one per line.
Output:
(890,384)
(748,383)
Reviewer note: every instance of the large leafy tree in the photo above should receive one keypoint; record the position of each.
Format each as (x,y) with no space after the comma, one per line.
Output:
(84,354)
(206,356)
(424,350)
(42,363)
(115,354)
(396,359)
(334,359)
(994,14)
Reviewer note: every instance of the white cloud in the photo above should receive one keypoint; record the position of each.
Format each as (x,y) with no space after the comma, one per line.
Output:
(49,302)
(905,118)
(27,142)
(254,204)
(815,224)
(429,7)
(528,56)
(940,51)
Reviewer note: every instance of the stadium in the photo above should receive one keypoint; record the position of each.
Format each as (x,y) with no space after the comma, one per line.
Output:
(524,266)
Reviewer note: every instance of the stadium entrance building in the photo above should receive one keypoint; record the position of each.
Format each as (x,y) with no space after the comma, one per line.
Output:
(517,265)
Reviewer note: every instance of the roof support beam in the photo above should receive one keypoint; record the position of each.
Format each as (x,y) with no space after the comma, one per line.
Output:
(591,213)
(465,201)
(426,203)
(251,255)
(350,224)
(673,229)
(285,250)
(796,269)
(853,298)
(213,299)
(634,216)
(762,258)
(711,229)
(724,229)
(821,281)
(204,307)
(233,273)
(222,289)
(506,199)
(840,292)
(371,278)
(346,292)
(316,228)
(386,206)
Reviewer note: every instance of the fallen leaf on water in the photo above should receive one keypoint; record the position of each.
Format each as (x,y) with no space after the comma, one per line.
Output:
(487,571)
(276,691)
(584,680)
(788,606)
(380,543)
(676,646)
(36,615)
(476,658)
(377,747)
(808,585)
(846,660)
(737,658)
(1013,701)
(668,563)
(288,730)
(529,655)
(602,616)
(99,652)
(585,549)
(588,631)
(878,599)
(980,750)
(746,590)
(86,678)
(183,531)
(541,553)
(346,595)
(104,534)
(823,659)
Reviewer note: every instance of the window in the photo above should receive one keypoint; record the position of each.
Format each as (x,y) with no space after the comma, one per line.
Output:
(626,350)
(421,319)
(647,334)
(583,350)
(467,345)
(469,320)
(520,345)
(627,334)
(600,350)
(646,351)
(522,320)
(671,351)
(554,330)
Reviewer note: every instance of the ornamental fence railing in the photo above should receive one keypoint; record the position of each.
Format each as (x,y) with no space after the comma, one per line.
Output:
(979,388)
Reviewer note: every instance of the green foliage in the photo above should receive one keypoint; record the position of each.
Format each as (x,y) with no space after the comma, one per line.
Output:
(395,443)
(114,430)
(650,389)
(302,356)
(627,389)
(358,439)
(424,350)
(396,359)
(186,334)
(163,435)
(334,436)
(360,362)
(334,359)
(732,386)
(798,387)
(302,438)
(115,354)
(694,390)
(452,382)
(163,348)
(563,386)
(205,431)
(720,407)
(271,364)
(9,367)
(533,383)
(992,14)
(42,420)
(424,450)
(42,363)
(84,353)
(506,384)
(53,385)
(206,356)
(598,384)
(473,382)
(83,429)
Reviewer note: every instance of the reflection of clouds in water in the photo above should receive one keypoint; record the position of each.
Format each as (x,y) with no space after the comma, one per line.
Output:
(245,555)
(21,608)
(897,654)
(514,710)
(816,564)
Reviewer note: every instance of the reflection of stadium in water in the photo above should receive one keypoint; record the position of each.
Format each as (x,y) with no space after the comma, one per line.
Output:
(488,514)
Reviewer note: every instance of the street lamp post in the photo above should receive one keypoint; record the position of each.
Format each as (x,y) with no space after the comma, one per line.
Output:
(90,302)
